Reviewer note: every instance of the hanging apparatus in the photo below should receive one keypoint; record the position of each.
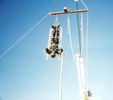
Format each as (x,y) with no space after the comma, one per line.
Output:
(54,45)
(54,42)
(85,93)
(72,11)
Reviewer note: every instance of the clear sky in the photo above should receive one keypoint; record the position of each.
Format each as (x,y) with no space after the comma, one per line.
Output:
(24,72)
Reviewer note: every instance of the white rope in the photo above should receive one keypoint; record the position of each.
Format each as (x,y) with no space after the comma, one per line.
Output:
(81,33)
(21,38)
(60,44)
(53,6)
(70,39)
(84,4)
(61,77)
(56,20)
(87,52)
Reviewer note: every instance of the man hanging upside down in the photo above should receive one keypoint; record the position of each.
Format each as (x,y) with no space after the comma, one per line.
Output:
(53,50)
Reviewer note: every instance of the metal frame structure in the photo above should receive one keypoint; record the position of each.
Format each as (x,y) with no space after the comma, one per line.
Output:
(79,57)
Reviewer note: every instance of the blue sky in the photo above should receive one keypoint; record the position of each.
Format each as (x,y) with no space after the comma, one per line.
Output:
(24,72)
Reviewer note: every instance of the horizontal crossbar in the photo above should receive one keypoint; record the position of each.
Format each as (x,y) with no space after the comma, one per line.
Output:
(68,12)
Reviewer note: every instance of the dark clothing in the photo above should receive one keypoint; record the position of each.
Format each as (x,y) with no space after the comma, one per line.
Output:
(53,49)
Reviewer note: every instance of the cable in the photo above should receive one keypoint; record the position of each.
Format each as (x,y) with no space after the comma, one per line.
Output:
(81,34)
(69,32)
(53,6)
(84,4)
(25,34)
(87,51)
(21,38)
(79,31)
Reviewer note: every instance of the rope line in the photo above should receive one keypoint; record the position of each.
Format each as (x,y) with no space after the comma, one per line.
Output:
(70,39)
(79,28)
(87,51)
(21,38)
(53,6)
(81,34)
(84,4)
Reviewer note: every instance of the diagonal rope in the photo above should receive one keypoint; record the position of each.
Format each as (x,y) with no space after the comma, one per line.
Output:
(53,6)
(84,4)
(21,38)
(70,39)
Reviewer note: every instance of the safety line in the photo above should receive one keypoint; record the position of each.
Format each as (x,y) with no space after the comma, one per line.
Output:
(21,38)
(70,39)
(84,4)
(53,6)
(87,51)
(79,32)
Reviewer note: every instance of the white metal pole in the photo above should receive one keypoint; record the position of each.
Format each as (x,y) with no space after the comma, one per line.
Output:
(61,77)
(79,75)
(83,78)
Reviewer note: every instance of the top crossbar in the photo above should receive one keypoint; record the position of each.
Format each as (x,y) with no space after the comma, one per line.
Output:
(68,12)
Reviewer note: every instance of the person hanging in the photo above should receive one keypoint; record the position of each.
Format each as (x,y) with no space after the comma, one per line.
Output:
(54,49)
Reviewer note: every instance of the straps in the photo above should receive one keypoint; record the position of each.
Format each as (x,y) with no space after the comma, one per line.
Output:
(56,20)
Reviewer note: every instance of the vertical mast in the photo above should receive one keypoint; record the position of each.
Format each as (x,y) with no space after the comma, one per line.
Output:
(80,34)
(80,59)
